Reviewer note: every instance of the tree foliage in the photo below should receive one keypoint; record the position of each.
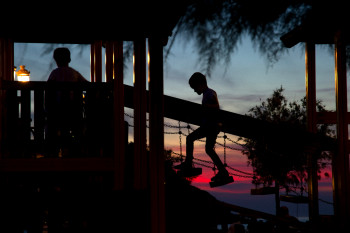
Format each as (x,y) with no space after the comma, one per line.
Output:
(217,27)
(268,161)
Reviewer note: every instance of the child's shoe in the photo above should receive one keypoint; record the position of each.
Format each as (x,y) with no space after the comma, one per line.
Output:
(219,175)
(221,178)
(187,169)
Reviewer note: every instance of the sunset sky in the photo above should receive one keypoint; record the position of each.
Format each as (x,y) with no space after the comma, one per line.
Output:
(240,85)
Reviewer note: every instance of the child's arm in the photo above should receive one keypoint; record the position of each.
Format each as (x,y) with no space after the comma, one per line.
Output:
(212,105)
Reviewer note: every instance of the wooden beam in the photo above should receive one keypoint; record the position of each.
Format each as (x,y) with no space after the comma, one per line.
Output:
(140,102)
(25,101)
(310,83)
(237,124)
(39,116)
(92,62)
(98,61)
(242,125)
(109,61)
(174,108)
(341,158)
(329,117)
(156,135)
(118,111)
(6,73)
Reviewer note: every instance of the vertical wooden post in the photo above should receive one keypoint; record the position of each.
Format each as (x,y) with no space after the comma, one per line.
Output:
(156,135)
(119,137)
(9,67)
(96,61)
(6,73)
(310,83)
(26,115)
(92,62)
(2,100)
(341,157)
(6,59)
(140,114)
(39,116)
(109,61)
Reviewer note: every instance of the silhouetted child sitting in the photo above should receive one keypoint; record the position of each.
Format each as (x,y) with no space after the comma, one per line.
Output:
(209,128)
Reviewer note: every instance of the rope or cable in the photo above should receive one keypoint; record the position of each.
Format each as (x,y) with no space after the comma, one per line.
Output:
(210,164)
(201,162)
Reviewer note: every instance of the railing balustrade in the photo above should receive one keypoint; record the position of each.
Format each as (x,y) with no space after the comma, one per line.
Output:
(44,119)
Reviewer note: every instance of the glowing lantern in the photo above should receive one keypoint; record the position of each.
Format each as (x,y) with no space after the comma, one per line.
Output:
(14,72)
(23,75)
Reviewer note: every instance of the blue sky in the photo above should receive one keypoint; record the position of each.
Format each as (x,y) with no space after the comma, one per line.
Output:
(249,77)
(242,84)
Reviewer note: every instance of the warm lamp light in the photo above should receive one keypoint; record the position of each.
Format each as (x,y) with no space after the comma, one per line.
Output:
(23,75)
(14,73)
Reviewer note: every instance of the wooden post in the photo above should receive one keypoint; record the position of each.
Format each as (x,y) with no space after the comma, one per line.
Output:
(6,73)
(109,61)
(6,59)
(119,137)
(25,116)
(156,135)
(140,162)
(2,74)
(96,61)
(39,116)
(341,157)
(310,83)
(92,62)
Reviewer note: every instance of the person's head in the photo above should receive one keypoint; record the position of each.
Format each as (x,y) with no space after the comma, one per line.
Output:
(198,82)
(62,56)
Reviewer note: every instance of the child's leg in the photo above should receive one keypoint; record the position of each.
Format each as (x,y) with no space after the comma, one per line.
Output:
(209,149)
(197,134)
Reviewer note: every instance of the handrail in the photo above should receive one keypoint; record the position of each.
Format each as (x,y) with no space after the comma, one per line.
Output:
(40,85)
(186,111)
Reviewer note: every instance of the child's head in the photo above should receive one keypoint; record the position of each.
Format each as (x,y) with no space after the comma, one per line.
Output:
(198,82)
(62,56)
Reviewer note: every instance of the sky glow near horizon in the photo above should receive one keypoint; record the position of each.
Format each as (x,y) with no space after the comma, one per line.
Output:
(241,85)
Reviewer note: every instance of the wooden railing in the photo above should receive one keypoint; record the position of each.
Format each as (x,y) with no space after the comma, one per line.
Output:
(28,116)
(25,121)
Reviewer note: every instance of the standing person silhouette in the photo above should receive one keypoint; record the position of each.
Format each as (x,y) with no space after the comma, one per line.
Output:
(209,128)
(64,107)
(64,73)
